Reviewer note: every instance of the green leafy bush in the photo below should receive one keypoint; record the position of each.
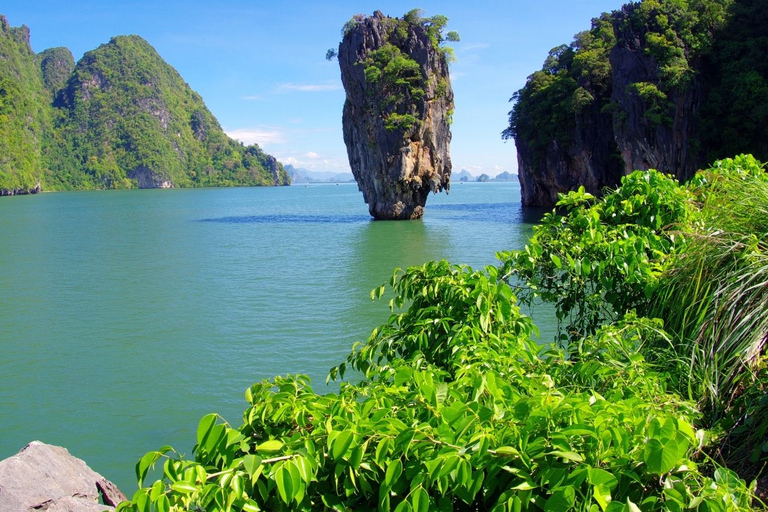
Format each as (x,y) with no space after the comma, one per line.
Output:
(457,409)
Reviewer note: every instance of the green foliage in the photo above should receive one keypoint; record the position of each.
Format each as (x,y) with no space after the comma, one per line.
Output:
(395,79)
(23,116)
(722,279)
(692,255)
(144,120)
(457,409)
(657,105)
(735,111)
(599,259)
(679,36)
(123,116)
(572,78)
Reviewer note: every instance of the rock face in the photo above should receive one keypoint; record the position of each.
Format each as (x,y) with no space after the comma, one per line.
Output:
(643,143)
(44,477)
(591,161)
(626,95)
(397,114)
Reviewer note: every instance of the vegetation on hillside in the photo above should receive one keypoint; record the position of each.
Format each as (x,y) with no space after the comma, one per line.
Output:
(455,406)
(23,114)
(121,118)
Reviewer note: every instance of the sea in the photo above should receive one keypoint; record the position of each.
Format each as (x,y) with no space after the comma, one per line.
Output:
(126,316)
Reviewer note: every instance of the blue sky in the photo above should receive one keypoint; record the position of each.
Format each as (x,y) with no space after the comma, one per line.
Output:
(260,65)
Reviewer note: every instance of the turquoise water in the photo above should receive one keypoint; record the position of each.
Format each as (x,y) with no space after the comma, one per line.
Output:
(126,316)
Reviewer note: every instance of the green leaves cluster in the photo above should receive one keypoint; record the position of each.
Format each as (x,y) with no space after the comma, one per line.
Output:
(596,259)
(691,255)
(397,81)
(456,408)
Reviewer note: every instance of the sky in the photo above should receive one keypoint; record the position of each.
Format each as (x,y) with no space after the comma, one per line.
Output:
(260,65)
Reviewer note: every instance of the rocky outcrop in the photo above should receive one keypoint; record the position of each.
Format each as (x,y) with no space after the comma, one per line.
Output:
(43,477)
(662,142)
(626,95)
(57,65)
(591,160)
(397,114)
(121,118)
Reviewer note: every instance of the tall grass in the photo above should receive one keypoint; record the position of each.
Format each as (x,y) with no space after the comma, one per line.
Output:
(714,301)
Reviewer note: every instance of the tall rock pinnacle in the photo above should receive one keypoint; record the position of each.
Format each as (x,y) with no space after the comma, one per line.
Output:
(398,110)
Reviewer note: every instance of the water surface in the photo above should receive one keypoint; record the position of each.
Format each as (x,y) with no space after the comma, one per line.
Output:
(128,315)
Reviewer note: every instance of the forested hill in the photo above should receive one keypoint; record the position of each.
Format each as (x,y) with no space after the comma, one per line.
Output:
(664,84)
(121,118)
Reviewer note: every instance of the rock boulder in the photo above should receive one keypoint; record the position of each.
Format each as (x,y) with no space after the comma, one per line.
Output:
(42,477)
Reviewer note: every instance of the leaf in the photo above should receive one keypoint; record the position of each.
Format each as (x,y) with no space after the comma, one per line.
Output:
(271,446)
(162,504)
(556,260)
(660,458)
(251,506)
(382,451)
(341,444)
(420,500)
(144,464)
(599,476)
(572,456)
(204,427)
(507,451)
(284,484)
(184,487)
(251,463)
(394,470)
(562,499)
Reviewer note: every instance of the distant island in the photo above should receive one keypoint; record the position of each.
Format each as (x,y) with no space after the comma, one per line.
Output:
(120,118)
(300,176)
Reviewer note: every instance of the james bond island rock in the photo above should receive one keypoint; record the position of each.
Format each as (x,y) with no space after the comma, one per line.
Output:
(121,118)
(644,88)
(46,477)
(398,110)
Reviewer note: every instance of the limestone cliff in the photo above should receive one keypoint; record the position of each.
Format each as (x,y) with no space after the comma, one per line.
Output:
(397,113)
(656,129)
(625,95)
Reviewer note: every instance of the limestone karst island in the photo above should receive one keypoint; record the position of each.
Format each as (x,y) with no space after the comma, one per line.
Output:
(398,110)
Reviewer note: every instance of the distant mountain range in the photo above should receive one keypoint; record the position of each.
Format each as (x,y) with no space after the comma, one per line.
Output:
(299,175)
(465,176)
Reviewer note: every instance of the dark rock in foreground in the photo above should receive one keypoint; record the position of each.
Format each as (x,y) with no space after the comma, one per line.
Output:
(46,477)
(397,113)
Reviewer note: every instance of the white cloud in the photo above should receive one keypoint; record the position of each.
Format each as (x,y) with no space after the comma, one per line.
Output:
(252,97)
(314,161)
(292,87)
(260,136)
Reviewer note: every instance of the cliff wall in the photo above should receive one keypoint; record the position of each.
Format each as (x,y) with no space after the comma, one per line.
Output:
(625,95)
